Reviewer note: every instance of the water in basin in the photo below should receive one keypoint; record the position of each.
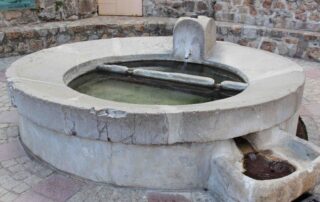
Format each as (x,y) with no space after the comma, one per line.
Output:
(122,91)
(137,90)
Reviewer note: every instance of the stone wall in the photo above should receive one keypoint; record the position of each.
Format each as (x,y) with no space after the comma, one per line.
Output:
(28,39)
(288,14)
(49,10)
(293,14)
(178,8)
(286,42)
(290,28)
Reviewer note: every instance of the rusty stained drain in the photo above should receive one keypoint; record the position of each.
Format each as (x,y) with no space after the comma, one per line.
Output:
(262,165)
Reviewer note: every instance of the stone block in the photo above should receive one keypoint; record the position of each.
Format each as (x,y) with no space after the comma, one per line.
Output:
(13,35)
(57,187)
(11,15)
(87,7)
(31,196)
(35,45)
(11,150)
(268,46)
(314,53)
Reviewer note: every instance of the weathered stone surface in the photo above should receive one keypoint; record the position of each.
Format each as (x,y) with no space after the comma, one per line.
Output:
(268,46)
(314,53)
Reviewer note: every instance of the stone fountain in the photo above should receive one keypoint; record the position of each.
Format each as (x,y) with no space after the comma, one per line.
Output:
(160,146)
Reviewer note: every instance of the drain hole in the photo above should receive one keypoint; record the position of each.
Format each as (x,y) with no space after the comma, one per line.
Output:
(302,130)
(262,165)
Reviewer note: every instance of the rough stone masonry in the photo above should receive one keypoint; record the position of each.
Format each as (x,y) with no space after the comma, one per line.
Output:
(289,28)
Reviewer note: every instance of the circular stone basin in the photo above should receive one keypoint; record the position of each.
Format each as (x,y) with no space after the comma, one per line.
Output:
(139,141)
(142,145)
(273,95)
(140,90)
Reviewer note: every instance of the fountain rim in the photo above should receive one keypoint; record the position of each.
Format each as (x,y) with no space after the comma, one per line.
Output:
(24,80)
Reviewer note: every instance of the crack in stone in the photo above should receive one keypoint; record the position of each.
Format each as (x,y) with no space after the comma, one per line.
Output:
(124,140)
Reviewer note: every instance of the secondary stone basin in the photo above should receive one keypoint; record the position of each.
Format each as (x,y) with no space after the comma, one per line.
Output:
(184,144)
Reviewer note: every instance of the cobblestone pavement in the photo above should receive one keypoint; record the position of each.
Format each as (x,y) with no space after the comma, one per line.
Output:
(24,179)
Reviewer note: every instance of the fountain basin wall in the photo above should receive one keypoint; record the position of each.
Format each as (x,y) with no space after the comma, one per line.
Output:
(272,98)
(164,147)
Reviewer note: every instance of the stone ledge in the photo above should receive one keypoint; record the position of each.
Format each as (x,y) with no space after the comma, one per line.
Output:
(30,38)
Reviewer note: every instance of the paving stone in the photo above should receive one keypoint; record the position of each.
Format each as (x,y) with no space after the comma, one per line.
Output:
(11,150)
(9,117)
(21,175)
(4,178)
(44,172)
(313,108)
(3,172)
(12,131)
(22,160)
(85,193)
(16,168)
(58,187)
(10,183)
(304,111)
(32,197)
(2,191)
(33,180)
(21,188)
(313,73)
(8,163)
(9,196)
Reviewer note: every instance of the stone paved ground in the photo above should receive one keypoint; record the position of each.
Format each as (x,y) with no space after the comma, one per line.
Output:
(24,179)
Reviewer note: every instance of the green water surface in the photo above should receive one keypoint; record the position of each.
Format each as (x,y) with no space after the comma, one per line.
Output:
(122,91)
